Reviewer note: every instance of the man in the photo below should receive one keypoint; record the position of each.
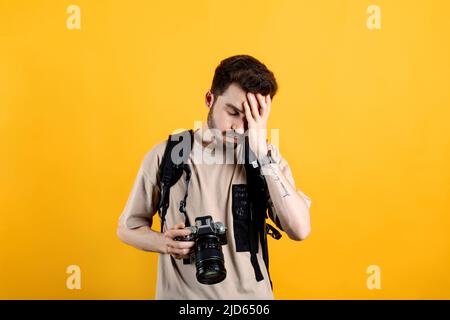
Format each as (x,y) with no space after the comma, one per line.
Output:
(239,103)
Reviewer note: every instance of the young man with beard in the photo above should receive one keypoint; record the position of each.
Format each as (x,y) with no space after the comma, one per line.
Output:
(239,103)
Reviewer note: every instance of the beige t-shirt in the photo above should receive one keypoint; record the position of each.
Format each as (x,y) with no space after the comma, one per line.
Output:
(209,193)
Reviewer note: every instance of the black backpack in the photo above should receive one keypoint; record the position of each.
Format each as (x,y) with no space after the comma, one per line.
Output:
(171,170)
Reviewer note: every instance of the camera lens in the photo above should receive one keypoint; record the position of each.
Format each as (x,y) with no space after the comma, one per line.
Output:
(209,260)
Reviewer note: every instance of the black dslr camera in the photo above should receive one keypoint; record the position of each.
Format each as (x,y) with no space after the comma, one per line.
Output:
(209,237)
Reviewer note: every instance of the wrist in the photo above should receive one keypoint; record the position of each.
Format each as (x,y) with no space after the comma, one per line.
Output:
(163,244)
(262,153)
(265,159)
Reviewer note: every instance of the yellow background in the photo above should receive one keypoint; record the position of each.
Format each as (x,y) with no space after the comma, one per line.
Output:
(363,117)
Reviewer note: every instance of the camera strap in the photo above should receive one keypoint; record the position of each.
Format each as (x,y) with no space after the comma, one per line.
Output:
(183,204)
(182,208)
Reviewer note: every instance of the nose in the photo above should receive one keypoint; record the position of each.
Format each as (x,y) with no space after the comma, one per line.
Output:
(239,129)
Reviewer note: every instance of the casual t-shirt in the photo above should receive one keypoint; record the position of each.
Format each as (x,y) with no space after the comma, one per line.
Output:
(210,192)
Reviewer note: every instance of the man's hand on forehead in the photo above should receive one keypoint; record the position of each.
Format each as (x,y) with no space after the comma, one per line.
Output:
(257,110)
(259,102)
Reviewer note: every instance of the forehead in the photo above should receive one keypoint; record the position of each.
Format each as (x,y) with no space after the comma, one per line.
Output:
(234,94)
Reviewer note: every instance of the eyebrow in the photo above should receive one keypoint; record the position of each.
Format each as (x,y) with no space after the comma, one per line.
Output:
(234,107)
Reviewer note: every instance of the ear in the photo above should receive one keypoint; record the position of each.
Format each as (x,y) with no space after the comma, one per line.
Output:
(209,99)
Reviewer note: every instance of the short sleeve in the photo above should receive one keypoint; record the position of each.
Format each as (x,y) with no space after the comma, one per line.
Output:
(286,170)
(142,203)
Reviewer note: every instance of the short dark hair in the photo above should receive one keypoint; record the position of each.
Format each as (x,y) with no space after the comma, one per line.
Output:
(249,73)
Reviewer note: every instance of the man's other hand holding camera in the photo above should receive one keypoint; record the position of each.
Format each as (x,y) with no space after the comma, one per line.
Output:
(178,249)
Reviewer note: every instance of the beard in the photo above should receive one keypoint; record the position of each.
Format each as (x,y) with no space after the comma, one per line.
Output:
(225,137)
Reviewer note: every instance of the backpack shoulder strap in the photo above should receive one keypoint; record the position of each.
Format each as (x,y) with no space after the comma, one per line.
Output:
(177,152)
(256,204)
(257,188)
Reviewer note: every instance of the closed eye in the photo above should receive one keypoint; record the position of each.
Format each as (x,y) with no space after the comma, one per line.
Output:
(232,110)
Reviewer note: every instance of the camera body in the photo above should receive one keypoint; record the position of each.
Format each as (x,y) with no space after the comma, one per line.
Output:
(209,237)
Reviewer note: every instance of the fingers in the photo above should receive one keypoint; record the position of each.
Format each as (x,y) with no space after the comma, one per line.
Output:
(178,231)
(258,105)
(262,102)
(268,99)
(179,253)
(180,244)
(178,249)
(268,103)
(253,105)
(175,244)
(248,113)
(179,225)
